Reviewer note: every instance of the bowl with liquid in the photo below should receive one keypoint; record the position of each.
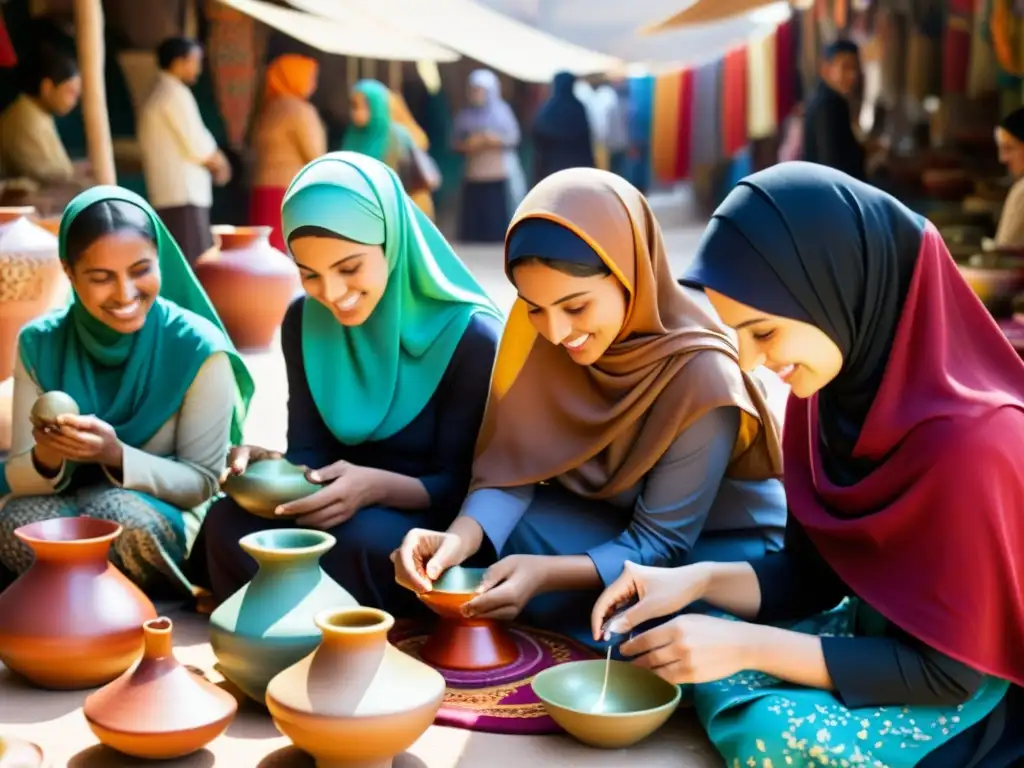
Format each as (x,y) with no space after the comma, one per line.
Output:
(267,484)
(634,704)
(460,642)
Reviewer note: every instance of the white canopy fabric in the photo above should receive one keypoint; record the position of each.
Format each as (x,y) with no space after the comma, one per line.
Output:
(476,31)
(706,12)
(360,34)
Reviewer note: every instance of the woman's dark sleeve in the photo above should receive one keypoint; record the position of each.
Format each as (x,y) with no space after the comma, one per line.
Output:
(308,436)
(460,409)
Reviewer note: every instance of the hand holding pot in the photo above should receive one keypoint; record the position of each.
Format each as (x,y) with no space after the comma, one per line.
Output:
(347,489)
(507,587)
(84,439)
(424,555)
(241,456)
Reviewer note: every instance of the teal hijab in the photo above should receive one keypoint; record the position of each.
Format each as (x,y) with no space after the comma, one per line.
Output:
(133,382)
(370,381)
(376,137)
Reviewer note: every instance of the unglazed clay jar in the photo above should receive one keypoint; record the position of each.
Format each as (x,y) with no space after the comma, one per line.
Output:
(158,709)
(267,625)
(52,405)
(267,484)
(356,701)
(72,620)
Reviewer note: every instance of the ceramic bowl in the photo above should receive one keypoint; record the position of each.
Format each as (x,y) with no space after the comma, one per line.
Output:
(267,484)
(19,753)
(453,589)
(636,704)
(50,406)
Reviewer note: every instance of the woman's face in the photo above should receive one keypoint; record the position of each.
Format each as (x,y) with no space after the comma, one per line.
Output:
(800,354)
(477,96)
(582,314)
(1011,151)
(117,279)
(346,277)
(358,109)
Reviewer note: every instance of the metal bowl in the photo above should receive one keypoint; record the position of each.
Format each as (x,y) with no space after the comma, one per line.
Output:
(267,484)
(636,704)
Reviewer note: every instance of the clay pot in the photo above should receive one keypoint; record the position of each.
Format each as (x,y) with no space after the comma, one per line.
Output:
(250,282)
(996,277)
(268,624)
(356,701)
(267,484)
(72,620)
(19,753)
(158,709)
(31,278)
(459,642)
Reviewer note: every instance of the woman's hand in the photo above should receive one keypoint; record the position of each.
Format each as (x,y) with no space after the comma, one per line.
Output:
(507,587)
(658,592)
(241,456)
(85,439)
(424,555)
(347,489)
(693,649)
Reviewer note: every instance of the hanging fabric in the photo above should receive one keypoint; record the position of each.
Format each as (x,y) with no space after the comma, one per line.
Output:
(956,47)
(762,120)
(685,122)
(734,101)
(786,71)
(665,128)
(235,68)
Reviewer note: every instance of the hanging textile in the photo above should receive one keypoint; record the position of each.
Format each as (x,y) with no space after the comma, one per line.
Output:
(762,120)
(684,148)
(734,101)
(235,68)
(665,128)
(956,47)
(786,72)
(641,99)
(1006,30)
(8,58)
(981,78)
(706,144)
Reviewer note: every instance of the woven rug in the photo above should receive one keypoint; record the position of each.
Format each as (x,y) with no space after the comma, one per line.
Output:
(499,700)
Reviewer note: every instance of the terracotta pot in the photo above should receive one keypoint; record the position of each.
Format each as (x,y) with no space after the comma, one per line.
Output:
(250,282)
(158,709)
(72,620)
(356,701)
(997,278)
(268,624)
(31,278)
(459,642)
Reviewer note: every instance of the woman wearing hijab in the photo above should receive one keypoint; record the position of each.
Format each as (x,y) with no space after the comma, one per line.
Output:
(148,447)
(487,133)
(619,425)
(388,359)
(381,126)
(561,131)
(288,134)
(1010,142)
(900,586)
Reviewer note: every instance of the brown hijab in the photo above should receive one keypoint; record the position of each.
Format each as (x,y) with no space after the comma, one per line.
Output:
(599,429)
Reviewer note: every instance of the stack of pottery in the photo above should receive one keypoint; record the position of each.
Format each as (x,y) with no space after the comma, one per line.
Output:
(72,620)
(356,701)
(250,282)
(158,709)
(268,624)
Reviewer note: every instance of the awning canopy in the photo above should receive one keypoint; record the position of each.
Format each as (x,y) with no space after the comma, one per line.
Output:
(475,31)
(706,12)
(359,35)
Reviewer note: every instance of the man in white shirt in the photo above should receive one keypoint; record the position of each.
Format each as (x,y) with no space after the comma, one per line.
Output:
(180,157)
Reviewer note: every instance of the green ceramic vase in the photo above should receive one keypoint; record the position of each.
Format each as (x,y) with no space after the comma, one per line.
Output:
(268,624)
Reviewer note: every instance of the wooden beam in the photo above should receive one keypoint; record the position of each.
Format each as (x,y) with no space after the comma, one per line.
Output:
(91,53)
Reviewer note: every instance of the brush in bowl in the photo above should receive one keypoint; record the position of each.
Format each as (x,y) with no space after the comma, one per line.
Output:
(267,484)
(636,703)
(460,642)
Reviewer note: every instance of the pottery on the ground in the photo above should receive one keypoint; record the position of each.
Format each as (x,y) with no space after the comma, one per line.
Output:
(250,282)
(52,405)
(356,701)
(459,642)
(19,753)
(158,709)
(636,703)
(31,278)
(997,278)
(267,484)
(72,620)
(268,624)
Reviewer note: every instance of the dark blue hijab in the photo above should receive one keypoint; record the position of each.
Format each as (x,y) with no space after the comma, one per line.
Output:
(810,243)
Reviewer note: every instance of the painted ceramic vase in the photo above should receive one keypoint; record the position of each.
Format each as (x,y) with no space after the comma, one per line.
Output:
(250,282)
(267,484)
(356,701)
(72,620)
(459,642)
(158,709)
(268,624)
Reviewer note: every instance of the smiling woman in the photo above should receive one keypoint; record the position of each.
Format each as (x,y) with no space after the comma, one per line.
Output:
(148,447)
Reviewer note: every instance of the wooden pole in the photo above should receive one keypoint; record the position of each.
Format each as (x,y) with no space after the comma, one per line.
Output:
(89,41)
(395,76)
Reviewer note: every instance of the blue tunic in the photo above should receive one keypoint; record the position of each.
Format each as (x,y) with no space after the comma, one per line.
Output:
(684,510)
(436,447)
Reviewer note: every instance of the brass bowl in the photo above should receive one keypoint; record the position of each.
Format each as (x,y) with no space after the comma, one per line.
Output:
(637,702)
(267,484)
(459,642)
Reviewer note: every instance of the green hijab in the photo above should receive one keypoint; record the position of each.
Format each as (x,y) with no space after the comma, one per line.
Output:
(376,137)
(371,380)
(133,382)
